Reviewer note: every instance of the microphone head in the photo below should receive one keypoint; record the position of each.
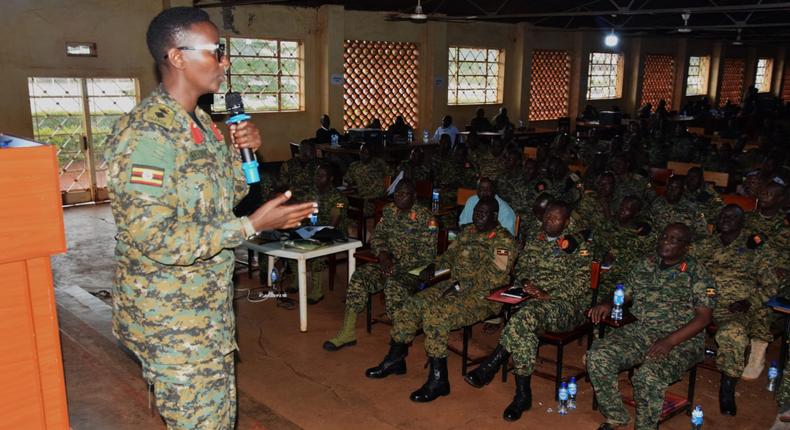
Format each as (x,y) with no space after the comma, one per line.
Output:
(233,103)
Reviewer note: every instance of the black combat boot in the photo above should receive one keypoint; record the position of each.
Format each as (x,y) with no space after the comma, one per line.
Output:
(437,384)
(484,373)
(394,362)
(727,395)
(522,401)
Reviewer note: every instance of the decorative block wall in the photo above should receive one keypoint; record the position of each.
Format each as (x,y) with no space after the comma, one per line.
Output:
(732,80)
(658,80)
(549,87)
(381,81)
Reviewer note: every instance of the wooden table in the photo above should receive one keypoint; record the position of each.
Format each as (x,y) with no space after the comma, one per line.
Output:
(277,249)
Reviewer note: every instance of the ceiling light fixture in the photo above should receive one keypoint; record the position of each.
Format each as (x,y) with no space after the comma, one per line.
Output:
(737,41)
(685,29)
(611,40)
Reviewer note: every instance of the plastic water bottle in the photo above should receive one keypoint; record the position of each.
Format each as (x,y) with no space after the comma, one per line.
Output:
(696,418)
(274,277)
(562,408)
(618,300)
(520,123)
(426,137)
(435,200)
(314,218)
(410,136)
(335,138)
(773,376)
(572,393)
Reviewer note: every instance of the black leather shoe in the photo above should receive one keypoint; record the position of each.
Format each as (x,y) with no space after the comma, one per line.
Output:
(485,373)
(606,426)
(437,384)
(329,346)
(394,362)
(727,395)
(522,401)
(314,301)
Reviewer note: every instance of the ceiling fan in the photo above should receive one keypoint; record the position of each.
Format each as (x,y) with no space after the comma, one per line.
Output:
(685,29)
(420,17)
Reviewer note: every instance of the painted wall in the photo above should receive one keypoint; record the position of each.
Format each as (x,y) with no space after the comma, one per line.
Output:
(37,47)
(118,27)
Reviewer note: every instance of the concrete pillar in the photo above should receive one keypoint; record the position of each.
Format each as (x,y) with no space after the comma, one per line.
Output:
(681,66)
(715,72)
(331,29)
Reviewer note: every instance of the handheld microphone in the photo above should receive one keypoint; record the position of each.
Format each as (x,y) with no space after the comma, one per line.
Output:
(235,108)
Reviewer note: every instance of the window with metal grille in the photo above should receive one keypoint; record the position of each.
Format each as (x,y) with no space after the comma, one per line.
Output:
(605,76)
(732,81)
(475,76)
(549,85)
(658,80)
(76,115)
(267,73)
(697,80)
(380,81)
(762,79)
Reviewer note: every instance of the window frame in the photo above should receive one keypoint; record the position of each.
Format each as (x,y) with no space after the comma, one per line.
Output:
(500,76)
(704,80)
(767,75)
(618,88)
(217,105)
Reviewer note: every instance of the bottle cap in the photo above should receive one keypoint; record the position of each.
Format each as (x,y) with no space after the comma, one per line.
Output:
(573,380)
(773,364)
(619,286)
(564,385)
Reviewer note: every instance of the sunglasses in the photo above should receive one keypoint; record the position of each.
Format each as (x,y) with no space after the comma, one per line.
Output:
(217,48)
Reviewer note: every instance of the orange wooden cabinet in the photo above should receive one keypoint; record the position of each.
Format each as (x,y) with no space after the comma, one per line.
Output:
(32,389)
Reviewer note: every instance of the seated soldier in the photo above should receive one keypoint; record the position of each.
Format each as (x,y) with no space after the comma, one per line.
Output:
(622,243)
(490,163)
(672,207)
(415,167)
(673,299)
(367,176)
(403,240)
(398,132)
(332,211)
(512,183)
(554,270)
(629,183)
(531,228)
(480,259)
(770,222)
(740,262)
(485,189)
(702,194)
(480,123)
(598,206)
(298,173)
(560,183)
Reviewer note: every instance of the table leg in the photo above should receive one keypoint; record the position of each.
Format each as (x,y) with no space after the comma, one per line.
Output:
(269,268)
(302,294)
(352,263)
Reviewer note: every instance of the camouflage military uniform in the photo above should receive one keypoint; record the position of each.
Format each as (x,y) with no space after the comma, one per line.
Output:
(740,273)
(663,213)
(368,179)
(777,233)
(663,301)
(591,211)
(633,185)
(490,166)
(512,187)
(628,244)
(328,203)
(567,189)
(299,176)
(420,172)
(565,277)
(411,238)
(478,262)
(172,190)
(707,200)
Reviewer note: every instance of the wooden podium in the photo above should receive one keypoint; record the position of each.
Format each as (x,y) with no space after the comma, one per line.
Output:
(32,389)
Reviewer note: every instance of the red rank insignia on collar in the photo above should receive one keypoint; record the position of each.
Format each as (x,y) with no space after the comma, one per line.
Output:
(197,134)
(413,216)
(492,234)
(683,267)
(563,243)
(541,236)
(216,131)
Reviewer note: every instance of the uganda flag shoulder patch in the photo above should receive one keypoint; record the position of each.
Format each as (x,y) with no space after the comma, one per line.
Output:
(147,175)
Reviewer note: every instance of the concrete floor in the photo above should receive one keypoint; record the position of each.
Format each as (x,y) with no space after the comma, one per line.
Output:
(287,381)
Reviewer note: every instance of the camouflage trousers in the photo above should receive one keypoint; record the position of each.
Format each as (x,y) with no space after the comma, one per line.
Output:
(783,395)
(520,336)
(368,279)
(195,395)
(734,333)
(438,315)
(625,348)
